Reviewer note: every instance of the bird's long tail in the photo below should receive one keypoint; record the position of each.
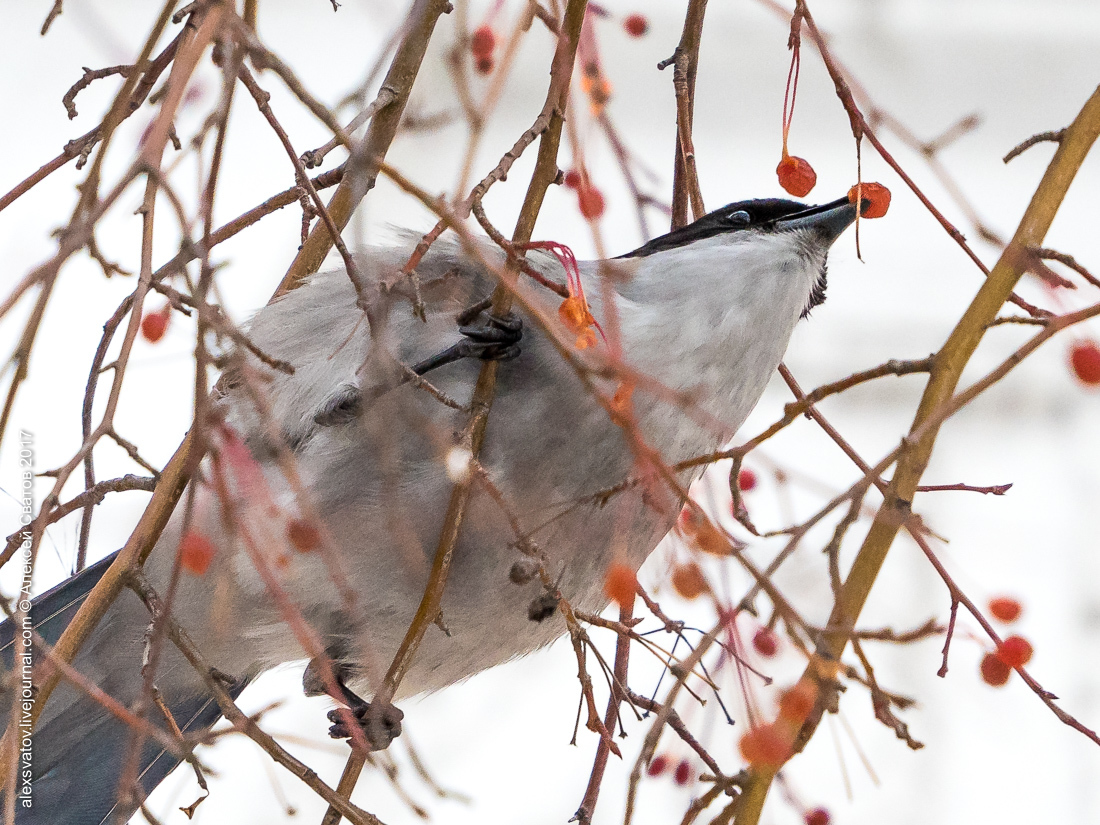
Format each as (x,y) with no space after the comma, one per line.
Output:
(69,769)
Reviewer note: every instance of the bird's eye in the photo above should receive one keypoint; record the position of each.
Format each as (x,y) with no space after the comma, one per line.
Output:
(739,218)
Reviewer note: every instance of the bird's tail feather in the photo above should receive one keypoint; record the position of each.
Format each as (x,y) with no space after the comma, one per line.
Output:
(79,786)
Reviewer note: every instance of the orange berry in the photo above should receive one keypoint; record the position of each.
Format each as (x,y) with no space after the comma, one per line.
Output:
(796,175)
(483,41)
(683,773)
(573,179)
(994,671)
(154,324)
(658,765)
(795,704)
(765,642)
(196,552)
(876,199)
(620,584)
(590,201)
(1015,651)
(688,580)
(1005,609)
(636,25)
(765,745)
(746,480)
(303,534)
(712,540)
(1085,360)
(818,816)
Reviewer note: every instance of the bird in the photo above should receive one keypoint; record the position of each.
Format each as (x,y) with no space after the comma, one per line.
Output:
(372,414)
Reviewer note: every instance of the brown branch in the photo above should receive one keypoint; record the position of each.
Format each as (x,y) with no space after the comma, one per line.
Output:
(950,360)
(362,166)
(1054,137)
(90,75)
(685,65)
(240,720)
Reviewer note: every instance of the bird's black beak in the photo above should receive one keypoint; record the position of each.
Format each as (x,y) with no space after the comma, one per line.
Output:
(830,219)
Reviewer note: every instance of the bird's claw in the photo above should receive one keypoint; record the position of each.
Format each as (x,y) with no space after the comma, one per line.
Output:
(380,726)
(497,339)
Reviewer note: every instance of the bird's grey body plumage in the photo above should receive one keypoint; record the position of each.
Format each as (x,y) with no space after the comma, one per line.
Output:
(706,328)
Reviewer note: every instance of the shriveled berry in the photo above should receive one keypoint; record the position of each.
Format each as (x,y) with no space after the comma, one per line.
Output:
(658,765)
(818,816)
(483,41)
(688,580)
(765,642)
(683,773)
(994,671)
(875,197)
(574,314)
(154,324)
(746,480)
(590,201)
(303,534)
(620,401)
(796,175)
(1005,609)
(1015,651)
(196,552)
(636,25)
(765,745)
(573,179)
(524,570)
(586,339)
(1085,360)
(485,64)
(620,583)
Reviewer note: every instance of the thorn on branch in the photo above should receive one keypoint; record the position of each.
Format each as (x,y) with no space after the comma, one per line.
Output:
(1042,137)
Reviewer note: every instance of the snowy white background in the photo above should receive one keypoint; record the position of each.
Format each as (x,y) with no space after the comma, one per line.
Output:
(502,738)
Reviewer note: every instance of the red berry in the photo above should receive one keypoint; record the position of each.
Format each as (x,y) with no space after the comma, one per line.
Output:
(658,765)
(765,642)
(796,175)
(590,200)
(875,197)
(1015,651)
(636,25)
(688,580)
(1005,609)
(818,816)
(994,671)
(485,64)
(154,324)
(683,773)
(483,41)
(746,480)
(303,534)
(765,745)
(573,179)
(1085,360)
(620,583)
(196,552)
